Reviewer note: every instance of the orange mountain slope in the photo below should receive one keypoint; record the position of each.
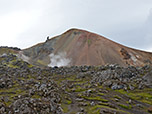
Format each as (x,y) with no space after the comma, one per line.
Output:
(85,48)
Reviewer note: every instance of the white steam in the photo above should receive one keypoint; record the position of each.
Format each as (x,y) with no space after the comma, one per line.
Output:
(59,60)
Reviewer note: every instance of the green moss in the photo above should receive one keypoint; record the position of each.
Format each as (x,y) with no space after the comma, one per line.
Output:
(97,112)
(36,96)
(30,65)
(116,96)
(121,91)
(125,106)
(7,51)
(101,94)
(140,95)
(41,62)
(79,89)
(97,98)
(30,77)
(12,92)
(68,102)
(12,66)
(96,109)
(101,87)
(65,107)
(8,103)
(78,81)
(89,42)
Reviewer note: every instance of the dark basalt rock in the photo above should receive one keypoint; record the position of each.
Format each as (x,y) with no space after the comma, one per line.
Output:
(125,53)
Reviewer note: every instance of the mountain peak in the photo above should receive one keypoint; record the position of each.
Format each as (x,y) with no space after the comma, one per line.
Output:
(74,29)
(86,48)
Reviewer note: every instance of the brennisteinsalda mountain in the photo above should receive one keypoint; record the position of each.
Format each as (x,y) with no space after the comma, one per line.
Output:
(78,47)
(77,72)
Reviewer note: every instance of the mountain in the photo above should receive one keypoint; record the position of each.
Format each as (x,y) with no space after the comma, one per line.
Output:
(106,89)
(80,47)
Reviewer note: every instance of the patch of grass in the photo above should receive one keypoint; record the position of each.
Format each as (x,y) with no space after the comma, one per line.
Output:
(121,91)
(41,62)
(30,77)
(100,86)
(101,94)
(15,91)
(89,42)
(36,96)
(8,103)
(12,66)
(78,81)
(125,106)
(79,89)
(7,51)
(96,109)
(65,107)
(68,102)
(144,96)
(97,98)
(116,96)
(30,65)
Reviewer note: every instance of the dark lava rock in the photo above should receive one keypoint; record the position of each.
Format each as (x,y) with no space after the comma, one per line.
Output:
(150,109)
(26,89)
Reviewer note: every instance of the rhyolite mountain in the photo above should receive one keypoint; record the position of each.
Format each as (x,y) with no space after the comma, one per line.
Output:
(85,48)
(103,89)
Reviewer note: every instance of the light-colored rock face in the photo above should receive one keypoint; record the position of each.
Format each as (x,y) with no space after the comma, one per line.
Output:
(85,48)
(25,58)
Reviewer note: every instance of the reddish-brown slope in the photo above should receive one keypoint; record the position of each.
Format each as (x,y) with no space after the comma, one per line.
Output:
(85,48)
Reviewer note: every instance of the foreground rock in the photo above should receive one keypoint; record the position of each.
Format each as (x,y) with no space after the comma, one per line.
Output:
(26,89)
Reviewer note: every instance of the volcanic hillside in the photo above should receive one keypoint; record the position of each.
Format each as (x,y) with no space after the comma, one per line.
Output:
(80,47)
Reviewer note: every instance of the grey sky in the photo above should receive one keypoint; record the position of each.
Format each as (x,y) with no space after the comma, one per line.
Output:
(24,23)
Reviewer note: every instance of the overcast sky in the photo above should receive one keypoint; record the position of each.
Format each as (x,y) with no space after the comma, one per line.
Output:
(24,23)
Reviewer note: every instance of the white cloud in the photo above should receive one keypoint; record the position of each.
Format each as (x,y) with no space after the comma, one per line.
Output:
(13,24)
(149,49)
(25,23)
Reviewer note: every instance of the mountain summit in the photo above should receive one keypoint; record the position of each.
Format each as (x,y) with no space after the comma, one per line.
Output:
(80,47)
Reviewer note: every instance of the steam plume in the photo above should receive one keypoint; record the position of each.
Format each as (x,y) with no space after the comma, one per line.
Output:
(59,60)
